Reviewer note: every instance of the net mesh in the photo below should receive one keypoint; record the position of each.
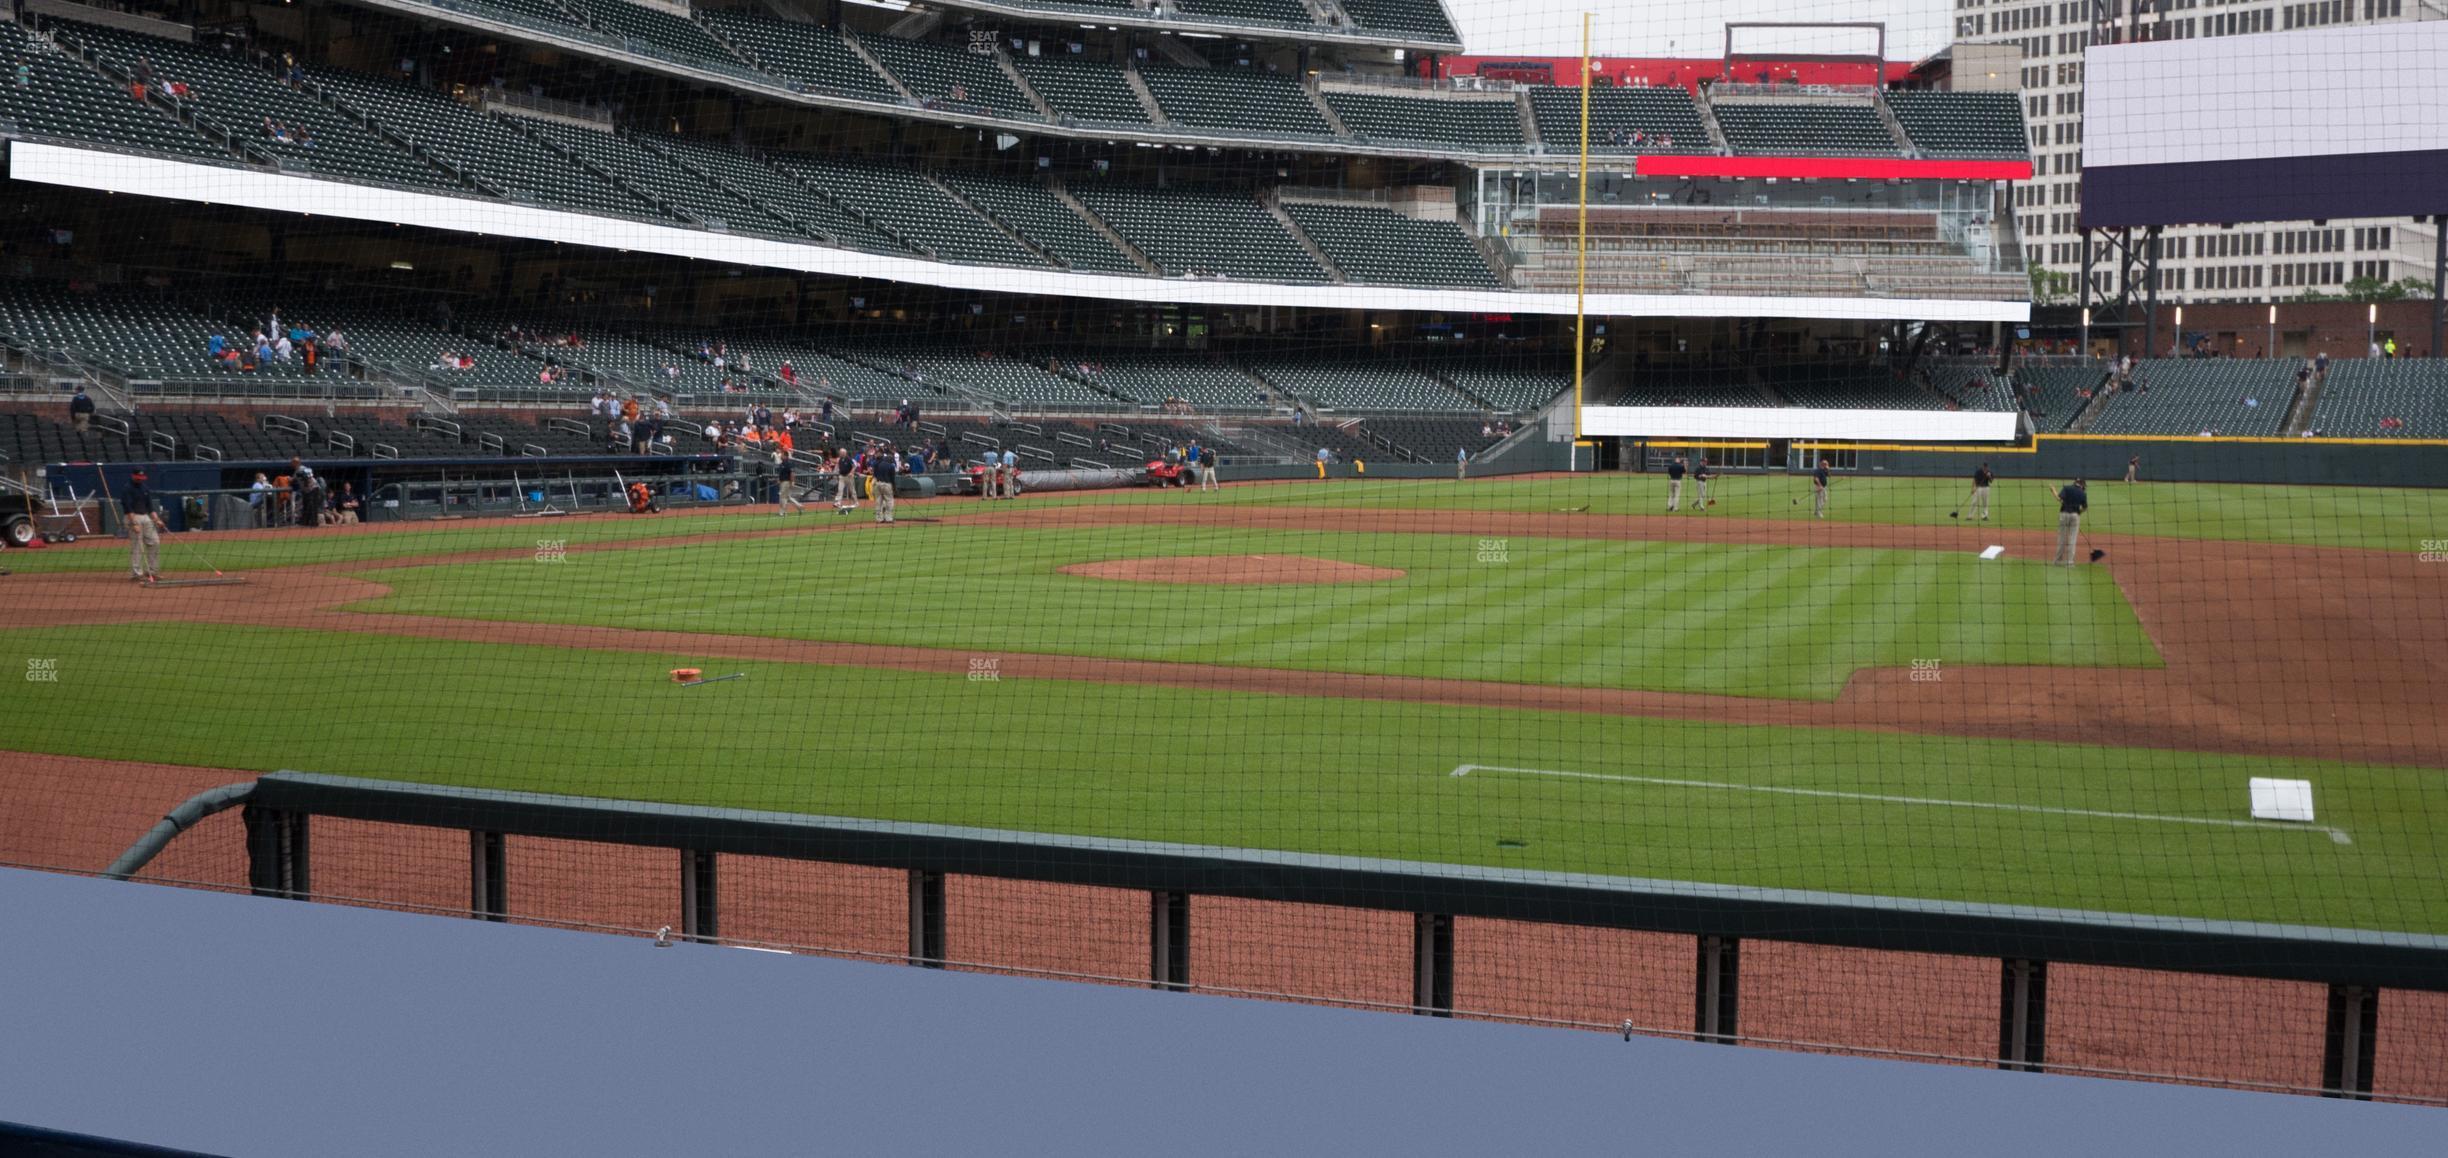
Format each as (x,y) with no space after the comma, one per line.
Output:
(939,469)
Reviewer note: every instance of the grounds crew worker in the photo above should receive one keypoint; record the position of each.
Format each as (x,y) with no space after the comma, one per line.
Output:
(1701,475)
(2072,501)
(143,520)
(1819,484)
(883,462)
(1674,484)
(1981,478)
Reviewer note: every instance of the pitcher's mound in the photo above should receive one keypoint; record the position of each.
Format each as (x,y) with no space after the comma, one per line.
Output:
(1233,569)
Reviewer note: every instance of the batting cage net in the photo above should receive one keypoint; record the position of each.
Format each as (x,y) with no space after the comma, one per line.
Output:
(1267,498)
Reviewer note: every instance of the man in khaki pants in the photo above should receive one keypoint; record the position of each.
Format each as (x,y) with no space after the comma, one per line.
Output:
(2072,501)
(143,519)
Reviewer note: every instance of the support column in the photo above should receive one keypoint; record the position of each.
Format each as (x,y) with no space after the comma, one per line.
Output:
(488,884)
(926,918)
(2354,1027)
(2150,297)
(2023,1015)
(1718,1007)
(276,853)
(1169,940)
(2439,285)
(699,910)
(2084,300)
(1432,964)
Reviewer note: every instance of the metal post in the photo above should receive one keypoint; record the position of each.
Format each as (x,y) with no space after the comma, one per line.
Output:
(926,918)
(2439,285)
(2354,1022)
(1716,1016)
(2023,1015)
(1432,964)
(276,852)
(2150,295)
(1169,940)
(2084,300)
(699,910)
(488,884)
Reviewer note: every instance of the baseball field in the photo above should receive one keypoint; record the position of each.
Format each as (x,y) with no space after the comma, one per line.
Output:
(1545,672)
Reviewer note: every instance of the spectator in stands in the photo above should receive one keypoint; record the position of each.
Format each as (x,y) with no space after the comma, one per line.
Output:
(309,354)
(629,410)
(2375,350)
(81,411)
(2392,347)
(25,75)
(335,341)
(824,409)
(789,376)
(2320,368)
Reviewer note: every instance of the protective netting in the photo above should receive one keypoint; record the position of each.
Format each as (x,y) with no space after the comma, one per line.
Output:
(998,495)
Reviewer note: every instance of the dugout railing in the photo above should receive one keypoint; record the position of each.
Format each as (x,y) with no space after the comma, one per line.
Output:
(2013,987)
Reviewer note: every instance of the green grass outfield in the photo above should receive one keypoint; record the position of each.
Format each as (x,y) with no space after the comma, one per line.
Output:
(2382,518)
(189,553)
(1739,620)
(1250,770)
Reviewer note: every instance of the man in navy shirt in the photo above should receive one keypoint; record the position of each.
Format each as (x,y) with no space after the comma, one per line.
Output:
(1979,507)
(1674,485)
(2072,501)
(1819,490)
(882,466)
(1701,475)
(143,517)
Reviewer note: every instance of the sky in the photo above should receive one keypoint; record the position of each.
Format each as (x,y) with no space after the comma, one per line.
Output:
(1915,28)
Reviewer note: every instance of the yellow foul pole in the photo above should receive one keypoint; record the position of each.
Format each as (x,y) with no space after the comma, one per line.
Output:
(1581,246)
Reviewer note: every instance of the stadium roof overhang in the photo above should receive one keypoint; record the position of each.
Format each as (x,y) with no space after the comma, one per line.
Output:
(149,176)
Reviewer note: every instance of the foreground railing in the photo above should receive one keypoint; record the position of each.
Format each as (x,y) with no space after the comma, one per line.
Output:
(2348,1013)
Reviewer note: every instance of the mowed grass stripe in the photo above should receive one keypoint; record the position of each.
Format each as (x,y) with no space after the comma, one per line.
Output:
(2383,518)
(1258,771)
(1598,613)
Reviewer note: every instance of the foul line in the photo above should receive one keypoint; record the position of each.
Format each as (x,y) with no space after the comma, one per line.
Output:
(2335,834)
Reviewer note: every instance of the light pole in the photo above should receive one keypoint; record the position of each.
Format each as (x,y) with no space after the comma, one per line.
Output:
(2273,343)
(2371,327)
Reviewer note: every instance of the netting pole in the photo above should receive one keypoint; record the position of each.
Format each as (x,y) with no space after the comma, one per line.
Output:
(2439,285)
(1432,964)
(1581,257)
(926,918)
(1716,1016)
(2353,1040)
(488,891)
(1169,940)
(276,853)
(699,908)
(2023,1015)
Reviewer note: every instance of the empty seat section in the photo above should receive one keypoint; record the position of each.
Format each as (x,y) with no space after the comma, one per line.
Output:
(777,193)
(908,204)
(495,153)
(2193,395)
(1344,385)
(1033,212)
(1084,91)
(654,176)
(1156,379)
(1621,120)
(247,103)
(68,100)
(1962,124)
(2362,395)
(1276,13)
(1505,386)
(1779,128)
(1201,233)
(1483,125)
(1238,100)
(1849,387)
(809,56)
(1376,245)
(1422,18)
(942,76)
(654,32)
